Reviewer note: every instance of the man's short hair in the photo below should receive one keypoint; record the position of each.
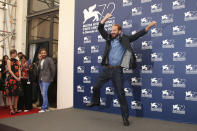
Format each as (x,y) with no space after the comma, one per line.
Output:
(119,26)
(13,51)
(43,49)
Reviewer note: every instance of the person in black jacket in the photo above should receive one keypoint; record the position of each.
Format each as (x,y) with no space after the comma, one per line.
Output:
(118,54)
(25,100)
(3,75)
(35,78)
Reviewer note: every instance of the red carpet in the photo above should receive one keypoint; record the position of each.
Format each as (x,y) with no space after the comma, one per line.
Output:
(5,112)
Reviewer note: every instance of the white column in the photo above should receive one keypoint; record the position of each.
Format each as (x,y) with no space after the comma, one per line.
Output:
(21,14)
(65,54)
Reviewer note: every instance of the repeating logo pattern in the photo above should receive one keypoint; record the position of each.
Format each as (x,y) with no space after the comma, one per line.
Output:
(178,4)
(146,93)
(156,107)
(109,91)
(156,82)
(168,43)
(137,105)
(178,82)
(167,94)
(80,69)
(167,18)
(127,24)
(147,45)
(191,42)
(127,2)
(156,57)
(165,79)
(178,109)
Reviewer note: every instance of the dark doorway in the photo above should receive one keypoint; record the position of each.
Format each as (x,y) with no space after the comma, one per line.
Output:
(42,32)
(52,91)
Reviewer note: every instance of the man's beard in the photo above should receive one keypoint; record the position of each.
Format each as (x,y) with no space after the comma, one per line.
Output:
(114,35)
(43,57)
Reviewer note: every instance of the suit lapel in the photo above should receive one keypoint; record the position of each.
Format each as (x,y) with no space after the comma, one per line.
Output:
(125,42)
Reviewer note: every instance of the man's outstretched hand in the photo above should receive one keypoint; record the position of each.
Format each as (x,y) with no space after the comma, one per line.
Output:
(153,23)
(107,16)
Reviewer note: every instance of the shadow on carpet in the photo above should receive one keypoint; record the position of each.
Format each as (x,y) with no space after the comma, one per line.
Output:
(8,128)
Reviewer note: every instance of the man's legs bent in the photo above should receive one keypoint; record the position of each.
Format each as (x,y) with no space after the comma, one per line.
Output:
(101,80)
(118,83)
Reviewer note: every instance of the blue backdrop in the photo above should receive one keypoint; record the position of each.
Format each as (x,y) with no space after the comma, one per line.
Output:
(164,85)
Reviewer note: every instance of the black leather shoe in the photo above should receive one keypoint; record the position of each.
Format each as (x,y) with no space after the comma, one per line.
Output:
(126,122)
(92,104)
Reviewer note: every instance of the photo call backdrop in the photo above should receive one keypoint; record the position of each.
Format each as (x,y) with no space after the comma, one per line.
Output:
(164,85)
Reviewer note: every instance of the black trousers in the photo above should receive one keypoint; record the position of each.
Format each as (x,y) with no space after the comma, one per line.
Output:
(25,101)
(116,75)
(37,93)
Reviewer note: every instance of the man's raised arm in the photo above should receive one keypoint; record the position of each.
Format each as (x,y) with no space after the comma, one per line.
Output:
(142,32)
(101,28)
(107,16)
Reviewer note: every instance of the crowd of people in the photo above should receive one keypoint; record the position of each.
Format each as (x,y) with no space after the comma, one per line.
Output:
(23,82)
